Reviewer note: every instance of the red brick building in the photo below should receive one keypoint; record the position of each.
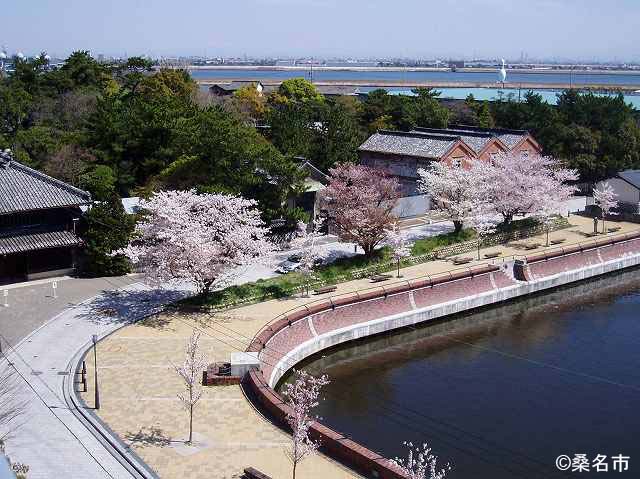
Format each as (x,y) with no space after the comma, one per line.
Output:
(403,153)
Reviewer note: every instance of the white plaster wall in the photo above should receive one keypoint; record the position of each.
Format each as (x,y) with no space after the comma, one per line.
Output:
(626,193)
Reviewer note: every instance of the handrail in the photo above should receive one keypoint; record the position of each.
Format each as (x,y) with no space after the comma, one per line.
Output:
(616,238)
(357,292)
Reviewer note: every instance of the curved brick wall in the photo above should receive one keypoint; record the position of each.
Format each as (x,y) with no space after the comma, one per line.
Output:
(303,329)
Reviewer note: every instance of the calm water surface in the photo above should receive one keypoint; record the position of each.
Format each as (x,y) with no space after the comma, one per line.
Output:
(501,393)
(421,76)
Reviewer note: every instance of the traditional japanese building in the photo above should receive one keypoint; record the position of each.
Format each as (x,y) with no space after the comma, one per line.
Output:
(38,216)
(403,153)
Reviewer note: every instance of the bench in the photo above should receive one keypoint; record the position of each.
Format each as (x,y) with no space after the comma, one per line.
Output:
(493,254)
(251,473)
(614,229)
(531,246)
(380,277)
(462,260)
(591,234)
(557,241)
(325,289)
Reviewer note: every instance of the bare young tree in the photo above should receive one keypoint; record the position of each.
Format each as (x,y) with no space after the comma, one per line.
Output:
(11,406)
(11,410)
(302,396)
(310,253)
(420,463)
(190,372)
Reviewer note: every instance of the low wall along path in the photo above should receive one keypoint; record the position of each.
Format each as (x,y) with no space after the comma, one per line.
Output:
(317,326)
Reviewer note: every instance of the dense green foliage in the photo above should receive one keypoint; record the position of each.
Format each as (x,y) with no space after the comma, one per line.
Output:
(598,135)
(106,228)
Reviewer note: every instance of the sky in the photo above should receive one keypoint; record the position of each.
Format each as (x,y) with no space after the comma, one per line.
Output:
(561,29)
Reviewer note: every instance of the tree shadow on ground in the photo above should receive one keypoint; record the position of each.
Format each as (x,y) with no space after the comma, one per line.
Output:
(125,306)
(148,436)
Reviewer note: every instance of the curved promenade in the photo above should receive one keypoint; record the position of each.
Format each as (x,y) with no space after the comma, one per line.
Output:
(307,330)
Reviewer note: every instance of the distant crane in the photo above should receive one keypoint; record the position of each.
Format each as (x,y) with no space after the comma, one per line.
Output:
(503,74)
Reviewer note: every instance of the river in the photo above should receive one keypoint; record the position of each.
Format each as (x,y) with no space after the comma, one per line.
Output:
(368,75)
(501,393)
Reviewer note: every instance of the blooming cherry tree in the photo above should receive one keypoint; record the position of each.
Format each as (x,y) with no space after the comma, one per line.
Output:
(400,246)
(605,198)
(360,200)
(420,463)
(190,372)
(451,189)
(197,238)
(512,185)
(484,224)
(301,397)
(307,242)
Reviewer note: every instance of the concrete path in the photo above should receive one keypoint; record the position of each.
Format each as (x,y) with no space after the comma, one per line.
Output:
(52,441)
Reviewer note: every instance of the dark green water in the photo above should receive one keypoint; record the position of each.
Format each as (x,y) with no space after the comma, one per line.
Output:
(503,392)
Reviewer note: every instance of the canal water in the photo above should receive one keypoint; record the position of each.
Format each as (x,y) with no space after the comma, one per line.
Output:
(503,392)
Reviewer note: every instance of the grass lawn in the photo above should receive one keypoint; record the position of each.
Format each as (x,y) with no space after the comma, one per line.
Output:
(283,285)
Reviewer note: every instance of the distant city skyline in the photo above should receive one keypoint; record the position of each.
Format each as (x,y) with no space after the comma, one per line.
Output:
(578,30)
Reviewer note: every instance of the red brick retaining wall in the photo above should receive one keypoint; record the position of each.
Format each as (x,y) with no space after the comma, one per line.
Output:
(332,314)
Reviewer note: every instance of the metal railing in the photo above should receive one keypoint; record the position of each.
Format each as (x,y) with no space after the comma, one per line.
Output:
(378,287)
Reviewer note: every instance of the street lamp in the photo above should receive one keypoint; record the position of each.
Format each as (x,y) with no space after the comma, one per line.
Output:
(95,372)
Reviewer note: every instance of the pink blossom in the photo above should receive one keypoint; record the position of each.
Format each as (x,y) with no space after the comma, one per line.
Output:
(359,200)
(301,397)
(197,238)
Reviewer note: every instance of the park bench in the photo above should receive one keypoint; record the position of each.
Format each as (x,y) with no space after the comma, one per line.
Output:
(462,260)
(493,254)
(591,234)
(325,289)
(377,278)
(557,240)
(614,229)
(531,246)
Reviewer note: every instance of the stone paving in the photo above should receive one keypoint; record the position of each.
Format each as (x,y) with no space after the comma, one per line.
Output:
(32,304)
(139,387)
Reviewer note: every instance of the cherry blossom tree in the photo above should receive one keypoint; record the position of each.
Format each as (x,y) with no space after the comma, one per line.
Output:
(360,200)
(605,198)
(451,189)
(301,396)
(190,372)
(511,185)
(307,242)
(400,246)
(484,224)
(198,238)
(420,463)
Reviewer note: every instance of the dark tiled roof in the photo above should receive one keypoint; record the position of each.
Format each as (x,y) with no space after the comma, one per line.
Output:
(476,141)
(236,85)
(508,136)
(419,144)
(19,241)
(25,189)
(631,176)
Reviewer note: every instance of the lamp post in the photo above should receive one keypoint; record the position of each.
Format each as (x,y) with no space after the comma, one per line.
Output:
(95,372)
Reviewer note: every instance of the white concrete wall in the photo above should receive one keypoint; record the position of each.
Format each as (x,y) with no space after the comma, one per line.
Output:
(409,206)
(389,323)
(626,193)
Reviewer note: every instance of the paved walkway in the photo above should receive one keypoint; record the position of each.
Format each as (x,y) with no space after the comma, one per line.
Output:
(32,304)
(139,388)
(52,442)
